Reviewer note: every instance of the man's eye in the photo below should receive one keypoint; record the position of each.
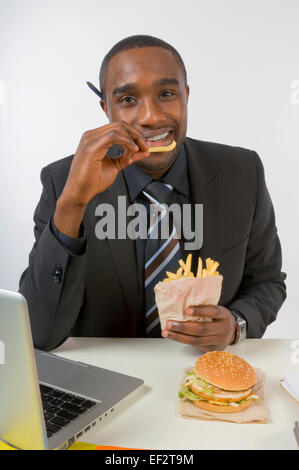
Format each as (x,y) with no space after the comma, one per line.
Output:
(126,99)
(170,93)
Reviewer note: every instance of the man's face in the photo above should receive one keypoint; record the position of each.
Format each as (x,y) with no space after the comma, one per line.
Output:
(145,88)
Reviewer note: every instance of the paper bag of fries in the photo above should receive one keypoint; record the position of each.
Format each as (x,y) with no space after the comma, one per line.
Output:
(182,289)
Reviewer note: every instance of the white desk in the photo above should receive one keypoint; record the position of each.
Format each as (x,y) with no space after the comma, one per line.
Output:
(152,422)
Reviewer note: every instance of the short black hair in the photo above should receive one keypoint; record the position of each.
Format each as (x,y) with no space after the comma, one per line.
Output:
(133,42)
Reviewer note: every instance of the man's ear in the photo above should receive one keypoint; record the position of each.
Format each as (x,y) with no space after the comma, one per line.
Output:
(104,106)
(187,92)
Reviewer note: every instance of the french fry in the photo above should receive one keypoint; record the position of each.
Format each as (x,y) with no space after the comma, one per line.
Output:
(208,263)
(199,267)
(213,268)
(163,149)
(179,273)
(204,273)
(171,275)
(182,264)
(188,265)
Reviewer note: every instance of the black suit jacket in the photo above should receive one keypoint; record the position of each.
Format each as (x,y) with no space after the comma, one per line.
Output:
(96,293)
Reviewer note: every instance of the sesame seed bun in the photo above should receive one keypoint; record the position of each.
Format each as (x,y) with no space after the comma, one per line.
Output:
(204,405)
(225,370)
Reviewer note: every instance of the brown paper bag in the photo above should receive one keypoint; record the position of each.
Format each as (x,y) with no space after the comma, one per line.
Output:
(256,413)
(174,297)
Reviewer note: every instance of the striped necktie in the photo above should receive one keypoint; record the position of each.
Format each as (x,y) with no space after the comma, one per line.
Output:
(161,255)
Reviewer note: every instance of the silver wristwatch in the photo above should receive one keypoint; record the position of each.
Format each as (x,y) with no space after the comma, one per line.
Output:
(241,327)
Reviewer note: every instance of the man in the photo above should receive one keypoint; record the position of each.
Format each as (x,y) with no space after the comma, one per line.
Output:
(80,285)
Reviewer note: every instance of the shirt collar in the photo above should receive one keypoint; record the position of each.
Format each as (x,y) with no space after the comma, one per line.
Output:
(177,176)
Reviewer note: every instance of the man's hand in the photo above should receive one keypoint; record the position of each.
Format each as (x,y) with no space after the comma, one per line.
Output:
(92,171)
(207,336)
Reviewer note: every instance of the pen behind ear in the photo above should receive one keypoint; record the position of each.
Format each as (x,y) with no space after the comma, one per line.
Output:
(95,90)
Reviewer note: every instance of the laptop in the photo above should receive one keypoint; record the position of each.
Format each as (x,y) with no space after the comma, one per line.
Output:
(46,402)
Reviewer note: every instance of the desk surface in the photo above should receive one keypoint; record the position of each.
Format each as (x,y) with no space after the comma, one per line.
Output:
(152,422)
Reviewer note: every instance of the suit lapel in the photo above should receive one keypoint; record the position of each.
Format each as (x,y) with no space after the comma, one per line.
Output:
(122,250)
(204,182)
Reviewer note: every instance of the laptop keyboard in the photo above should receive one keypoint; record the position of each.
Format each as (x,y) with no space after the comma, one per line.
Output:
(61,408)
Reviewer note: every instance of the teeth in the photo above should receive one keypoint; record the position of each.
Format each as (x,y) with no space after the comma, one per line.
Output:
(158,137)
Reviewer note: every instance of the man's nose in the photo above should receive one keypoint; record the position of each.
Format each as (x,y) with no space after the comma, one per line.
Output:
(149,113)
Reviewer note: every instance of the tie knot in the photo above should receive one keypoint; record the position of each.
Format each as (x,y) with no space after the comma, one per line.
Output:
(158,191)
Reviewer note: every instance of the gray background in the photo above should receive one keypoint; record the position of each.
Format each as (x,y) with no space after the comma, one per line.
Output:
(243,71)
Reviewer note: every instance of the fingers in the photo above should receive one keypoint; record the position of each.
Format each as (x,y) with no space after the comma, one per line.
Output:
(216,312)
(216,334)
(129,158)
(118,132)
(118,137)
(194,328)
(136,136)
(199,342)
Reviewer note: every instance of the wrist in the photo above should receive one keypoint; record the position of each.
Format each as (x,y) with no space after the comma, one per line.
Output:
(71,201)
(68,216)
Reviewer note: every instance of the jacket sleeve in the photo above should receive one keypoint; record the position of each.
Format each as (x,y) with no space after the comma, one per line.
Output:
(53,283)
(262,290)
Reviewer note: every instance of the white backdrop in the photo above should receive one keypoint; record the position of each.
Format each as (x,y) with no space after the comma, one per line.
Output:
(242,63)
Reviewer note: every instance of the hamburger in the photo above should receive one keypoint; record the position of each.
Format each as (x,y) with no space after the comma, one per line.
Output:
(221,382)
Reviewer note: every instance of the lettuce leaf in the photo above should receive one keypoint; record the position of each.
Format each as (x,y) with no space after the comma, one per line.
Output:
(201,384)
(185,392)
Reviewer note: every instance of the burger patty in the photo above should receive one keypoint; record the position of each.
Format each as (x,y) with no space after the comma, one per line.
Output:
(219,394)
